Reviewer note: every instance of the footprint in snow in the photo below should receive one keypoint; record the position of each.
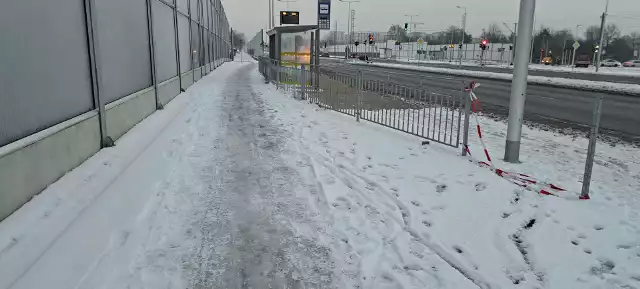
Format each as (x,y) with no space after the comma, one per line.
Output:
(480,186)
(415,203)
(441,188)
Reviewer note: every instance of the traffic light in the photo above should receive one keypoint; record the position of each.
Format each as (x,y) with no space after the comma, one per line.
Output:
(460,46)
(483,44)
(325,45)
(357,43)
(406,26)
(370,39)
(596,48)
(451,46)
(510,47)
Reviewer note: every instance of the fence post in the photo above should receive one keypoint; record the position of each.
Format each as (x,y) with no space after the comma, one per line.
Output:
(152,54)
(358,93)
(94,68)
(467,116)
(593,138)
(302,80)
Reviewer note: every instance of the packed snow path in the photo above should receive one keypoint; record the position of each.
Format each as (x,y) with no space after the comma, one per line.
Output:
(236,185)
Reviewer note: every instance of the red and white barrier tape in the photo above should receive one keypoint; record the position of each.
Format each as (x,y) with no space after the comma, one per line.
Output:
(521,180)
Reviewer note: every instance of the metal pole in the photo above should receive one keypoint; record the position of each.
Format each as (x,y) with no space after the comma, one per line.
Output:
(604,20)
(177,42)
(317,60)
(273,12)
(358,93)
(467,116)
(593,138)
(152,54)
(519,83)
(515,41)
(191,52)
(270,12)
(92,39)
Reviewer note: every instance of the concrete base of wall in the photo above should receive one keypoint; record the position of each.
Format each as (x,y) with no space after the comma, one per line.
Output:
(168,89)
(39,160)
(29,165)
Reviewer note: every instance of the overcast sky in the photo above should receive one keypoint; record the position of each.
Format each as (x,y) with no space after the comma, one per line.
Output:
(249,16)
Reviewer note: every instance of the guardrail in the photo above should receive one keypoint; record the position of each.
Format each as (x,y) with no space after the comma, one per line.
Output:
(436,115)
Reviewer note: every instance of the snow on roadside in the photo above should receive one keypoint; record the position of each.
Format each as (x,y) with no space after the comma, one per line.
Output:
(412,216)
(622,88)
(620,71)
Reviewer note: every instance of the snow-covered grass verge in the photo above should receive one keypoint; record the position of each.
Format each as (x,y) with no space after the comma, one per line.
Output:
(619,71)
(411,216)
(620,88)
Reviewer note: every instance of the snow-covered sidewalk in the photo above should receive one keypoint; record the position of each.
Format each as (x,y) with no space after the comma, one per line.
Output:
(602,86)
(236,185)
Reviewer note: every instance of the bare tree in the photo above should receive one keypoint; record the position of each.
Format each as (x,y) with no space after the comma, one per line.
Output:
(238,39)
(611,32)
(592,34)
(398,32)
(494,34)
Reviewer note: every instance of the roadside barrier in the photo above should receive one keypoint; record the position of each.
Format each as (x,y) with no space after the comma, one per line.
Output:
(522,180)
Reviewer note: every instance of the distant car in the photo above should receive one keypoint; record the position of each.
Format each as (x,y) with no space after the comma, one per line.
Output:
(363,58)
(631,63)
(610,63)
(583,60)
(547,60)
(326,54)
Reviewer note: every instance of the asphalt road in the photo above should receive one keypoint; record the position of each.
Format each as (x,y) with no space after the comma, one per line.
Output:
(584,76)
(552,106)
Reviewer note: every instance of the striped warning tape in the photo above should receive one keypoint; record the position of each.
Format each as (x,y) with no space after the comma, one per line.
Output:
(521,180)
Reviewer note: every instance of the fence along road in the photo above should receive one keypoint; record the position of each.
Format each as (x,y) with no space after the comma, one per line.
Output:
(556,107)
(78,74)
(433,113)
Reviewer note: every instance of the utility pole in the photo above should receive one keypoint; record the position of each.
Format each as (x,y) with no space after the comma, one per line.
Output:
(270,12)
(519,83)
(352,15)
(464,27)
(273,12)
(513,33)
(600,48)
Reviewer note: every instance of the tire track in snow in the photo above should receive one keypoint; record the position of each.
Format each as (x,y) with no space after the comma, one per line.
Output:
(453,262)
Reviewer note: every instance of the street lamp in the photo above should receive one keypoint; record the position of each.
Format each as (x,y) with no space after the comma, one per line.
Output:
(349,24)
(464,27)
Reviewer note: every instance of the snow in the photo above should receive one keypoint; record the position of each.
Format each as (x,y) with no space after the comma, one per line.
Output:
(621,71)
(237,184)
(622,88)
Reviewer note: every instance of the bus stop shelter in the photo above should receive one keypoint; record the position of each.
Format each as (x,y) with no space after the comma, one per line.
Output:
(295,46)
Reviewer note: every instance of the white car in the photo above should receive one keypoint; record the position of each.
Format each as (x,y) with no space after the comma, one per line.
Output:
(610,63)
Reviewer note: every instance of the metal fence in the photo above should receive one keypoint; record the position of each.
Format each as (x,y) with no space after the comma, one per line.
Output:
(438,115)
(495,53)
(74,56)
